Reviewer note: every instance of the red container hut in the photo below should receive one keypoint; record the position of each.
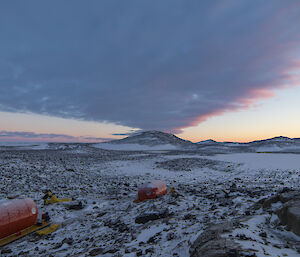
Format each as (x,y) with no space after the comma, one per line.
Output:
(152,190)
(16,215)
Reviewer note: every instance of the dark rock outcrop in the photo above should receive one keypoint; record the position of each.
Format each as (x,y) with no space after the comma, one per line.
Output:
(145,217)
(289,215)
(211,244)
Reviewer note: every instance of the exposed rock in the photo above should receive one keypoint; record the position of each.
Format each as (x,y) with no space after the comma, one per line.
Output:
(144,218)
(152,240)
(189,216)
(171,236)
(149,250)
(12,196)
(68,241)
(287,196)
(139,252)
(74,206)
(284,196)
(289,215)
(6,250)
(225,202)
(233,253)
(122,227)
(210,244)
(110,250)
(269,201)
(216,248)
(96,251)
(263,234)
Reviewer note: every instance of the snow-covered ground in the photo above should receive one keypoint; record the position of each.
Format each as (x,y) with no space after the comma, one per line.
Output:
(208,190)
(276,148)
(270,161)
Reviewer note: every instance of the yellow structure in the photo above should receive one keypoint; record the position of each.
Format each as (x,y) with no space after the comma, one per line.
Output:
(27,231)
(48,230)
(50,198)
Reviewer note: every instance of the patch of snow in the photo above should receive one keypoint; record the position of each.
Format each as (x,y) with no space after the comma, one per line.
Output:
(149,232)
(252,229)
(262,160)
(276,148)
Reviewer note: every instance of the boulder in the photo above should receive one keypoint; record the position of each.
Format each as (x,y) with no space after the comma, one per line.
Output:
(74,205)
(145,217)
(287,196)
(211,244)
(289,215)
(267,203)
(96,251)
(217,248)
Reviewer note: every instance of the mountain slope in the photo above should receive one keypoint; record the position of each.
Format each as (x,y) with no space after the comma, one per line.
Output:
(275,144)
(156,140)
(149,140)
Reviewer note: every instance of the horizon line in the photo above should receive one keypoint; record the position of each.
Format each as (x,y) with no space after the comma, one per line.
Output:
(86,141)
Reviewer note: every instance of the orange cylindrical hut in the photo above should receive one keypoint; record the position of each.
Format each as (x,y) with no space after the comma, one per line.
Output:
(16,215)
(152,190)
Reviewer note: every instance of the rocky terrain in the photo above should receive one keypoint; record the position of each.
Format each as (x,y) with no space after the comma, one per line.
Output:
(243,204)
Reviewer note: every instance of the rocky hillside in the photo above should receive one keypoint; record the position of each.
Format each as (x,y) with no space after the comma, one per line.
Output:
(153,138)
(276,144)
(208,142)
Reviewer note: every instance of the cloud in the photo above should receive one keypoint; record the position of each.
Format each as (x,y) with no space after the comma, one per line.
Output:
(31,136)
(160,65)
(97,138)
(130,133)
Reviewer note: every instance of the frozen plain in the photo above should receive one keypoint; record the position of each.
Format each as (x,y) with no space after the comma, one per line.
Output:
(211,188)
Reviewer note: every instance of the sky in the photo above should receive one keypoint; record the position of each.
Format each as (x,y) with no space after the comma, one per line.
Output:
(99,70)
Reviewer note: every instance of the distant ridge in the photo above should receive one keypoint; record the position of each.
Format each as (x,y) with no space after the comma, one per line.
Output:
(276,143)
(209,141)
(155,137)
(157,140)
(273,139)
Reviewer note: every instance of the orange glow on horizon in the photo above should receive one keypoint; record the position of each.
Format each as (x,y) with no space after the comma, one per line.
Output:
(239,139)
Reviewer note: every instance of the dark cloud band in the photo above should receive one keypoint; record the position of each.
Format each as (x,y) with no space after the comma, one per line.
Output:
(146,64)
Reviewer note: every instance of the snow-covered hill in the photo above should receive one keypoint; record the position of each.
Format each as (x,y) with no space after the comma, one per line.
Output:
(208,142)
(148,140)
(276,144)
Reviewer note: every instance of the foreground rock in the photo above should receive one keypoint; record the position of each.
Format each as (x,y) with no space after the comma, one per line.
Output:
(211,244)
(145,217)
(74,205)
(289,212)
(289,215)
